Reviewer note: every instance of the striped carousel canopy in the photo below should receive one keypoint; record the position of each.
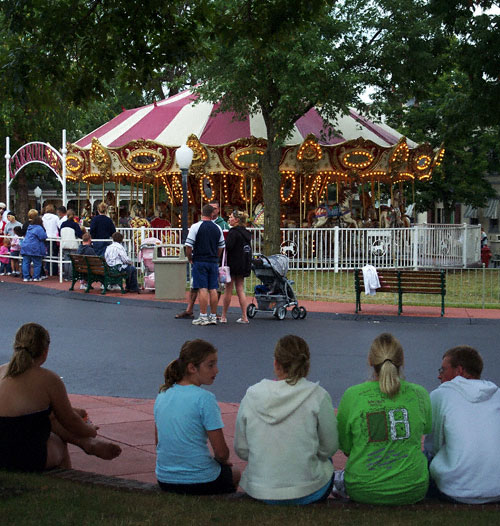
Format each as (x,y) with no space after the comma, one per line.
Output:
(171,121)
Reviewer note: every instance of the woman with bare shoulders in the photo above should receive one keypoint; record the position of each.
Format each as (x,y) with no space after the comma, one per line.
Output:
(36,417)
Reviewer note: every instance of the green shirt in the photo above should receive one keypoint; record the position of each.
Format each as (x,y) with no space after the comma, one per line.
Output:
(220,222)
(382,437)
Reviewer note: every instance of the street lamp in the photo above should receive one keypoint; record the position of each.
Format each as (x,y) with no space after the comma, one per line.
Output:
(184,156)
(38,194)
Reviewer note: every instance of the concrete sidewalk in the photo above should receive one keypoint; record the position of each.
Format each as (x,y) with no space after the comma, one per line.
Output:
(129,422)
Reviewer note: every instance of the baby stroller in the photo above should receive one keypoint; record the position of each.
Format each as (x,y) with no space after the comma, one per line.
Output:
(275,293)
(146,252)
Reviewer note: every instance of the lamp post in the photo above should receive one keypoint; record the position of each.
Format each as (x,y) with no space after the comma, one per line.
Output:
(184,156)
(38,194)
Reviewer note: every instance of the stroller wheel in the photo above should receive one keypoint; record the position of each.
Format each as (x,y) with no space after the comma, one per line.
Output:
(295,313)
(303,312)
(251,310)
(281,313)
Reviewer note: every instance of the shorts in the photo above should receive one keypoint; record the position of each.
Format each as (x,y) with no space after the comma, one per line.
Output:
(222,484)
(205,275)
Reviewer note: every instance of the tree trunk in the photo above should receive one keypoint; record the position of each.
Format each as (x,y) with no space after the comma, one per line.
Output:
(22,203)
(271,180)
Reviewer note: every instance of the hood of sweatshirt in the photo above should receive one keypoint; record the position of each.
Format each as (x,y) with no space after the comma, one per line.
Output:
(274,401)
(474,391)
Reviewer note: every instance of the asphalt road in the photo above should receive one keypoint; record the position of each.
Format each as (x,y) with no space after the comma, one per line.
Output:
(100,347)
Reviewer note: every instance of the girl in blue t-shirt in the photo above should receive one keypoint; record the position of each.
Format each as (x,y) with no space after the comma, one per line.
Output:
(185,416)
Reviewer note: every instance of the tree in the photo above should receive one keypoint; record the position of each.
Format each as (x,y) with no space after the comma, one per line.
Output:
(476,26)
(448,116)
(283,58)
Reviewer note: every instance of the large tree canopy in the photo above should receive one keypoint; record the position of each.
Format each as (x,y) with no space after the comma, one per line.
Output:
(283,58)
(476,24)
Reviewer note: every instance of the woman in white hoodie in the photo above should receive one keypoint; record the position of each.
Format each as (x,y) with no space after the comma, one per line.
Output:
(287,430)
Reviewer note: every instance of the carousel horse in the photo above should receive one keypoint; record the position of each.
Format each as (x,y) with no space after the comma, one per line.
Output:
(326,215)
(393,218)
(258,215)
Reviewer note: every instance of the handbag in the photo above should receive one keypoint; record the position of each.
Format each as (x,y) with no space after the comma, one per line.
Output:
(224,272)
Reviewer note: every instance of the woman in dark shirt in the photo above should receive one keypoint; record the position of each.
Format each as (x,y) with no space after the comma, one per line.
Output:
(237,240)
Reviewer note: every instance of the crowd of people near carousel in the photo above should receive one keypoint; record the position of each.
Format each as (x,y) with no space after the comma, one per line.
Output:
(59,231)
(287,429)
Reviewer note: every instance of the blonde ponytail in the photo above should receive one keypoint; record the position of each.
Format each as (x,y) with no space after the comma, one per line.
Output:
(387,358)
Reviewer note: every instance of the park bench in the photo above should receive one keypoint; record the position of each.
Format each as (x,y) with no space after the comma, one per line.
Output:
(404,282)
(95,269)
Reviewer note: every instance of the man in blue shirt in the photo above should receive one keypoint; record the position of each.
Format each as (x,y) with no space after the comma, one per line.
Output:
(204,246)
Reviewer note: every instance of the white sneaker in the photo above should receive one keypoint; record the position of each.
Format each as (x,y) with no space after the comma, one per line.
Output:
(212,319)
(43,277)
(202,320)
(2,273)
(83,287)
(26,279)
(9,273)
(37,279)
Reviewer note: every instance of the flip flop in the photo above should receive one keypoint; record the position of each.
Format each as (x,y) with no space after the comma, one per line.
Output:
(185,315)
(241,320)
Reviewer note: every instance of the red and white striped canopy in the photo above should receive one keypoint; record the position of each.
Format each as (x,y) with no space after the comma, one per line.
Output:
(172,120)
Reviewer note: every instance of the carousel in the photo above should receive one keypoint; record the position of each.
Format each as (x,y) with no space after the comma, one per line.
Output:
(353,172)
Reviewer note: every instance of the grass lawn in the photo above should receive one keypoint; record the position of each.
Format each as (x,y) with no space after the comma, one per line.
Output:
(474,288)
(27,499)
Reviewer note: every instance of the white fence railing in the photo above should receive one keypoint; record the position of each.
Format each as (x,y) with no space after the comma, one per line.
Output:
(421,246)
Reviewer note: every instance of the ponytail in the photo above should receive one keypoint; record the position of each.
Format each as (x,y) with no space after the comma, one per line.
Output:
(387,357)
(30,342)
(292,354)
(194,352)
(172,375)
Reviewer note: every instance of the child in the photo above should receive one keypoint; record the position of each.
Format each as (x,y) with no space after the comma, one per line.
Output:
(185,415)
(85,249)
(5,268)
(15,249)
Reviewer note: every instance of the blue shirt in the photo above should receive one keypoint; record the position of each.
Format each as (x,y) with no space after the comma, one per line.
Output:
(205,238)
(183,415)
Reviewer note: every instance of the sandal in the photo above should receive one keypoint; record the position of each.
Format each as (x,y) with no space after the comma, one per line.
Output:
(222,320)
(184,315)
(241,320)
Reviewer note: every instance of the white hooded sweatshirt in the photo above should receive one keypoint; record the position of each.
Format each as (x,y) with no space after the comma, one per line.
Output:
(465,440)
(288,434)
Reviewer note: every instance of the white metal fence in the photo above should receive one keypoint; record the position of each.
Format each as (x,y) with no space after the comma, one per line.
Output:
(422,246)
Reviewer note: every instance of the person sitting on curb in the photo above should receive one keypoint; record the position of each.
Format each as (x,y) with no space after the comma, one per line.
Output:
(463,445)
(36,418)
(116,257)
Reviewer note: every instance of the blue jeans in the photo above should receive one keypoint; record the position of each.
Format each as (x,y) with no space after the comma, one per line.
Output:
(37,266)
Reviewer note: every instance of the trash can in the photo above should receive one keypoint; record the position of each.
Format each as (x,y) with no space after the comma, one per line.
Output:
(170,275)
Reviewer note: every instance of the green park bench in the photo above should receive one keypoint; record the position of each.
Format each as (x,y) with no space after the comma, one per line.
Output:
(404,282)
(94,269)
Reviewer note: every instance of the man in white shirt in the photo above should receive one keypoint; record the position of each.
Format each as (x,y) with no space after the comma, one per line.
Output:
(51,224)
(465,434)
(116,256)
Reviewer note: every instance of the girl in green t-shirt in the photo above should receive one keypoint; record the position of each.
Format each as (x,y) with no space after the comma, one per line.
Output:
(381,423)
